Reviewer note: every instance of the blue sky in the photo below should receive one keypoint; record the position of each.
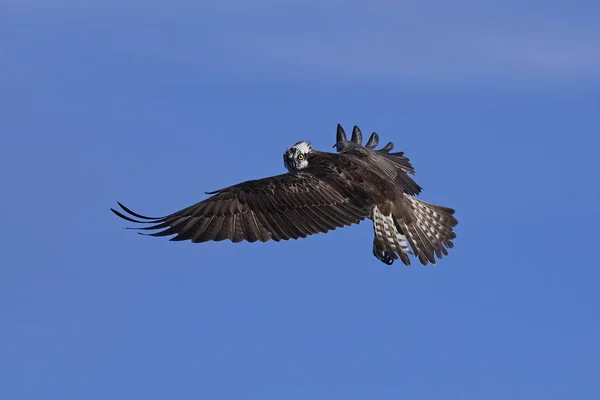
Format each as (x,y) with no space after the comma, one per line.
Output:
(151,104)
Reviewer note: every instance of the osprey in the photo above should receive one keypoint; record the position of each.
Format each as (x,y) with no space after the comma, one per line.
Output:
(320,192)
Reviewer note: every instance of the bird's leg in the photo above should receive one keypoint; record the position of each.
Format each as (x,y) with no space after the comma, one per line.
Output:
(381,254)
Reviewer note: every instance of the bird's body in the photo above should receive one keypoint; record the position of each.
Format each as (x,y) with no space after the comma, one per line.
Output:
(320,192)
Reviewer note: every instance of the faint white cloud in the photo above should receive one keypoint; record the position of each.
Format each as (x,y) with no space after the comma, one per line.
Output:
(549,56)
(447,56)
(33,5)
(405,40)
(412,40)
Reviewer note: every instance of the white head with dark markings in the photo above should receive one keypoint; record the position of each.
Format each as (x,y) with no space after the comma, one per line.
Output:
(295,157)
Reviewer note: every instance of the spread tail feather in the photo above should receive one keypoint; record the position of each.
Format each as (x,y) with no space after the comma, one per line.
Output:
(428,227)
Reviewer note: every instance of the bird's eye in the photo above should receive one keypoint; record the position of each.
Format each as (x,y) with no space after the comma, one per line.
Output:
(300,156)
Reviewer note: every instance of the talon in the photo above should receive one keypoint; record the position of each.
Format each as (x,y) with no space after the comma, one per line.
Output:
(387,259)
(383,256)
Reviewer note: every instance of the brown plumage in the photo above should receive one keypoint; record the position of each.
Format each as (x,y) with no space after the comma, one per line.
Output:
(320,192)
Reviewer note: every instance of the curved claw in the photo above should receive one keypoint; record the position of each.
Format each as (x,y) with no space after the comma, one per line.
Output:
(383,256)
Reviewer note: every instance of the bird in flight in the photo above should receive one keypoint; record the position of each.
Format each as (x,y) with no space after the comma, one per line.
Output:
(320,192)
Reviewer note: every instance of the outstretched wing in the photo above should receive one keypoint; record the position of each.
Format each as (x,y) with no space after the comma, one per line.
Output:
(282,207)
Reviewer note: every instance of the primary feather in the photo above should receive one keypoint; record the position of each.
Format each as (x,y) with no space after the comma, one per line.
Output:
(319,193)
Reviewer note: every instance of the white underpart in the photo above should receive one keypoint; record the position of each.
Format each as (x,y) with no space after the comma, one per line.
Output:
(386,229)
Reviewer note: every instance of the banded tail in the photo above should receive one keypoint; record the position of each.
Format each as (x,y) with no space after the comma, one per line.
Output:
(428,228)
(389,242)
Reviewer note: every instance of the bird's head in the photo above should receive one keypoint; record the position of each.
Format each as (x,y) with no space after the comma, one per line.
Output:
(296,157)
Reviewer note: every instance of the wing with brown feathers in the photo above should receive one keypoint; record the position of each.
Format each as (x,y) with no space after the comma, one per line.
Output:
(288,206)
(401,164)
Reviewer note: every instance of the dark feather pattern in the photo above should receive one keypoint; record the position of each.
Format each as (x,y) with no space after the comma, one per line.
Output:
(373,141)
(288,206)
(340,134)
(356,135)
(321,192)
(429,228)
